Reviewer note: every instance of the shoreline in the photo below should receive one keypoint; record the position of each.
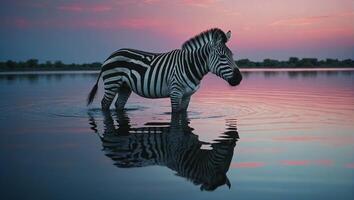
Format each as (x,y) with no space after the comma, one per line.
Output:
(81,71)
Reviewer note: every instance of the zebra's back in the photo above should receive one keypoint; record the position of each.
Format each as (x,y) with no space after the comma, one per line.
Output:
(145,73)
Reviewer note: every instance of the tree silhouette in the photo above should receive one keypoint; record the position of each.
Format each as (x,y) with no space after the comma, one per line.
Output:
(292,62)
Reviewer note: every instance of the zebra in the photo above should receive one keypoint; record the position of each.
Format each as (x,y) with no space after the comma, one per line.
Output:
(173,145)
(175,74)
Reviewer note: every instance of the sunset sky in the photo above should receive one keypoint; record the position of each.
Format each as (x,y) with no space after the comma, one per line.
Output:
(89,30)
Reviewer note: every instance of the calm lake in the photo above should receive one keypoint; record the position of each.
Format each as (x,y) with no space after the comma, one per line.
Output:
(279,135)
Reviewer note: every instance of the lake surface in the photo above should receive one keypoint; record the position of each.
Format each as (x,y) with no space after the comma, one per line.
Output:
(279,135)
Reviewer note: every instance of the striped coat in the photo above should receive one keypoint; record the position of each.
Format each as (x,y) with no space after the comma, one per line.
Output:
(172,145)
(175,74)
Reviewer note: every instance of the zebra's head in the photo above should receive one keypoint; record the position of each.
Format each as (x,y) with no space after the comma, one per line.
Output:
(221,62)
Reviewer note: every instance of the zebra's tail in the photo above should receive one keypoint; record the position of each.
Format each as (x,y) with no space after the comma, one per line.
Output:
(93,92)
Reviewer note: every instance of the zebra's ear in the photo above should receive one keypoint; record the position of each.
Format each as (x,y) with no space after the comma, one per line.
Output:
(228,35)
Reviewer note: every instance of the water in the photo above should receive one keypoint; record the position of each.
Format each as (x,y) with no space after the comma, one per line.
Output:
(279,135)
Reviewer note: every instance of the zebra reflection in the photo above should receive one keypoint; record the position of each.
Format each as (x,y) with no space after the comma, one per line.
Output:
(169,144)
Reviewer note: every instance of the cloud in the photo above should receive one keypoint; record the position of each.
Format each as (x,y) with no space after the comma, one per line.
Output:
(226,11)
(345,14)
(303,21)
(17,22)
(84,8)
(151,1)
(199,3)
(149,24)
(140,23)
(35,4)
(299,21)
(156,25)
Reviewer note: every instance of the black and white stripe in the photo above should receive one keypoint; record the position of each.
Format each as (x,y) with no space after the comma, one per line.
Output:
(173,145)
(175,74)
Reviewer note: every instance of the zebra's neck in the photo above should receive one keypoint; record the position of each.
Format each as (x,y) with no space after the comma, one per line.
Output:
(196,62)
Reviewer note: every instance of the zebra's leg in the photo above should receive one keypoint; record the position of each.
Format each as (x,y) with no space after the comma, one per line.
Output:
(185,102)
(176,101)
(123,95)
(110,91)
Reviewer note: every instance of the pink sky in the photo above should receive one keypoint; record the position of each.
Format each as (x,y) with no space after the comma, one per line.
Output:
(261,29)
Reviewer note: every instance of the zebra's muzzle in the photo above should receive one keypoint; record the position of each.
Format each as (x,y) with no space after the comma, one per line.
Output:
(236,78)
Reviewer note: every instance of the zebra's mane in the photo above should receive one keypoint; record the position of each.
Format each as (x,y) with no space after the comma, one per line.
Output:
(205,36)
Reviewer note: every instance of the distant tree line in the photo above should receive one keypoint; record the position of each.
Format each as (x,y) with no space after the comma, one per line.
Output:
(293,62)
(33,64)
